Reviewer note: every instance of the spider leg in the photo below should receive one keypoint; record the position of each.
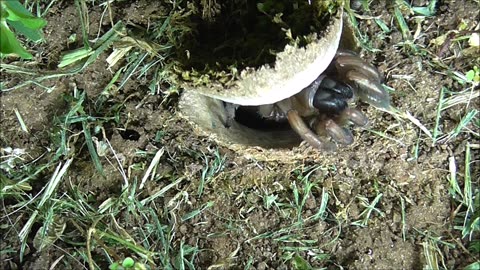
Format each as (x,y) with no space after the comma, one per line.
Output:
(331,101)
(364,77)
(348,61)
(369,90)
(355,116)
(339,134)
(297,123)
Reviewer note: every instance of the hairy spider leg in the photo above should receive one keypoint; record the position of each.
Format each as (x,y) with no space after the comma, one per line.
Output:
(339,134)
(368,90)
(297,123)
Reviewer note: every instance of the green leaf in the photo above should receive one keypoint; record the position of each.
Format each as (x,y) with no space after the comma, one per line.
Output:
(17,8)
(474,247)
(32,23)
(300,263)
(91,148)
(114,266)
(9,44)
(426,11)
(128,262)
(383,26)
(34,35)
(15,15)
(17,12)
(261,7)
(470,75)
(473,266)
(74,56)
(422,11)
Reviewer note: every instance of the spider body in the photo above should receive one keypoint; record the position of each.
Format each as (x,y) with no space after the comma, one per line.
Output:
(322,108)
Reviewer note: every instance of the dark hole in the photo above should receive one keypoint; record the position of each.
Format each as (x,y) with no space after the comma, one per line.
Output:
(249,117)
(130,134)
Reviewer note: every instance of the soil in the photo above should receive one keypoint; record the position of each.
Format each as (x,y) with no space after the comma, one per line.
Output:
(240,229)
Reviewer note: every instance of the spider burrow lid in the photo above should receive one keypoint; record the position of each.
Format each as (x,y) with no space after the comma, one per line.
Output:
(294,69)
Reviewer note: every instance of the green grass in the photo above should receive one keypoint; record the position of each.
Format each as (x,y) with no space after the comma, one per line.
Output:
(466,199)
(81,57)
(293,239)
(210,170)
(464,189)
(76,218)
(73,216)
(370,208)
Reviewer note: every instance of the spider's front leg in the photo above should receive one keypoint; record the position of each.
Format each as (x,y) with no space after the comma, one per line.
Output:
(298,124)
(363,77)
(331,101)
(326,100)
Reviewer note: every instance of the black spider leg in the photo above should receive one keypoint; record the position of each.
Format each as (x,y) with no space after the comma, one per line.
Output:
(332,96)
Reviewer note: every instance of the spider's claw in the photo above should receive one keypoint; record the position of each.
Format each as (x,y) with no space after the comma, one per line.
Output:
(297,123)
(337,133)
(355,116)
(327,98)
(349,61)
(337,88)
(370,91)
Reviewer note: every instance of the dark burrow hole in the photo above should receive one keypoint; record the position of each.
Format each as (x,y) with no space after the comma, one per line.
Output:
(130,134)
(246,128)
(282,136)
(248,117)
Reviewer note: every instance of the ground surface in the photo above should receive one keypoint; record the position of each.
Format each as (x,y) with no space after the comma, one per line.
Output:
(387,201)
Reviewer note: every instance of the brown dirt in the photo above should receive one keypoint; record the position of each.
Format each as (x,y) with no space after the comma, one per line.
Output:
(224,233)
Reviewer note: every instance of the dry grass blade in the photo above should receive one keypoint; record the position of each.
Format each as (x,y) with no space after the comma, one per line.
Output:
(152,165)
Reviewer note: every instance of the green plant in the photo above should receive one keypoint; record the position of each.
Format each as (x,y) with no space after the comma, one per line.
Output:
(473,75)
(13,14)
(127,263)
